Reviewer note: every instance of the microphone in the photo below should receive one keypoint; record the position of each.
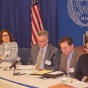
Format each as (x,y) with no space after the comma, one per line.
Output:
(15,62)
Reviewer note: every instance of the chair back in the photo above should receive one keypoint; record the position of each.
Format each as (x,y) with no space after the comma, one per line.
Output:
(24,53)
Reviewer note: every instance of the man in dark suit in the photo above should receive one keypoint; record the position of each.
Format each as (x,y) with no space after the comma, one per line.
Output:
(82,68)
(50,57)
(69,55)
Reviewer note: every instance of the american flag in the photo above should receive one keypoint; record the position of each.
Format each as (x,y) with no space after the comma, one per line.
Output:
(35,21)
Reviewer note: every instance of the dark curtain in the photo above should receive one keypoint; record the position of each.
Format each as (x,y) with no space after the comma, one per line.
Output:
(15,15)
(49,15)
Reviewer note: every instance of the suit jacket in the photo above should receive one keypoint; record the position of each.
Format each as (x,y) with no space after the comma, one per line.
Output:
(52,54)
(13,47)
(75,57)
(82,67)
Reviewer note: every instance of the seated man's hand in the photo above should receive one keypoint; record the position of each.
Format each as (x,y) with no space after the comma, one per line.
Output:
(86,50)
(84,79)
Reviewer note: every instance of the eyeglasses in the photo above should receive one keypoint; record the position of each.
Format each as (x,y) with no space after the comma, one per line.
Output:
(65,48)
(41,41)
(5,35)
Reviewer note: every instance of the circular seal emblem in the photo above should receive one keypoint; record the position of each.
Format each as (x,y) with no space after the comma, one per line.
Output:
(78,11)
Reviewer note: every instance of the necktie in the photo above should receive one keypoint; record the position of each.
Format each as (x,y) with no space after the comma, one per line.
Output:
(68,63)
(39,59)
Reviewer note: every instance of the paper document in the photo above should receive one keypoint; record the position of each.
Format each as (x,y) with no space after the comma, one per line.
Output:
(42,72)
(55,72)
(26,67)
(79,84)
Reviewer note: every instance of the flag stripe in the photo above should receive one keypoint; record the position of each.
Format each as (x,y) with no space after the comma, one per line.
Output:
(37,17)
(34,24)
(36,21)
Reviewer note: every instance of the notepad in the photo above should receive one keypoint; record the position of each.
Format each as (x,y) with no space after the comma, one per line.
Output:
(42,72)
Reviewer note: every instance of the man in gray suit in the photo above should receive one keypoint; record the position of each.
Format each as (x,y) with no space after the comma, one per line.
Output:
(69,56)
(51,55)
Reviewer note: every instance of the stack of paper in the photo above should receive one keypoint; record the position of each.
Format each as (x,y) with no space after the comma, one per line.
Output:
(41,72)
(23,67)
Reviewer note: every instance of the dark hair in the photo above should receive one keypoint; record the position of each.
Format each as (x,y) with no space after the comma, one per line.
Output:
(67,39)
(10,35)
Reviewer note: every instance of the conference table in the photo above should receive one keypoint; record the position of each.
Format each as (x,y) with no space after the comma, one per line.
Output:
(27,81)
(7,84)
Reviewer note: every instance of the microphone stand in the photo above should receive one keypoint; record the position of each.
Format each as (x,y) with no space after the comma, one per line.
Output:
(16,74)
(14,70)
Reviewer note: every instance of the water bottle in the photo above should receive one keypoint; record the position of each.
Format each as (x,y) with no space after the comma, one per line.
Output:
(64,79)
(27,72)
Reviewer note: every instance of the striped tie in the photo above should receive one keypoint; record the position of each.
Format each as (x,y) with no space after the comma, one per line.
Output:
(39,59)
